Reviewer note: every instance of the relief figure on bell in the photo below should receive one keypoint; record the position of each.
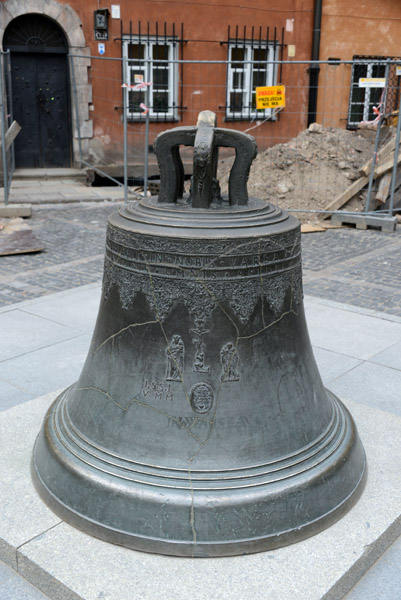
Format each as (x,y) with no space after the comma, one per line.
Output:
(175,359)
(229,362)
(199,360)
(199,363)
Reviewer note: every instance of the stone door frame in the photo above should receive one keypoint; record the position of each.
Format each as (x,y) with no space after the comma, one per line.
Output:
(68,20)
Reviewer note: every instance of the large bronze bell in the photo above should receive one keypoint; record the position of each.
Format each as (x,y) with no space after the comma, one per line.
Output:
(199,425)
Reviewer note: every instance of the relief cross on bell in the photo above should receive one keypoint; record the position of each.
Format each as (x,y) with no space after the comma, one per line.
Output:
(206,139)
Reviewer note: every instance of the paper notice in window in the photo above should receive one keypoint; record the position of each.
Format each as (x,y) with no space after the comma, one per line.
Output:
(138,78)
(375,82)
(270,97)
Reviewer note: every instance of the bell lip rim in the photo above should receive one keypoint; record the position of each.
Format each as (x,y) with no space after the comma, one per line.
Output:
(340,426)
(220,549)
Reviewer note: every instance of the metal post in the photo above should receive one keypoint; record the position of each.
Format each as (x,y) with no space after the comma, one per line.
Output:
(3,118)
(10,111)
(147,119)
(77,120)
(374,158)
(394,173)
(125,127)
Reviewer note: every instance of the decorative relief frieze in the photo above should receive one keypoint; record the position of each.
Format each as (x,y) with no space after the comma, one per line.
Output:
(229,275)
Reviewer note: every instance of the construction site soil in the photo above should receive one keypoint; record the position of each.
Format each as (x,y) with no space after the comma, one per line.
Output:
(309,171)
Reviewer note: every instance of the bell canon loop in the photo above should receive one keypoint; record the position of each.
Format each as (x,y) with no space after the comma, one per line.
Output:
(200,425)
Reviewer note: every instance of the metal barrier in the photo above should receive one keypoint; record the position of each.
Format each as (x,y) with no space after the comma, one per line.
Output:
(147,91)
(129,100)
(6,120)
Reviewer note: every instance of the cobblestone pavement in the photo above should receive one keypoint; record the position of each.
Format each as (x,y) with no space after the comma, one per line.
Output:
(355,267)
(345,265)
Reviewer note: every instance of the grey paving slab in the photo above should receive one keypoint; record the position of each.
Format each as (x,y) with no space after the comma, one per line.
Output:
(356,335)
(14,587)
(383,580)
(332,365)
(86,290)
(43,370)
(11,394)
(371,384)
(69,565)
(23,516)
(22,333)
(351,308)
(391,357)
(78,308)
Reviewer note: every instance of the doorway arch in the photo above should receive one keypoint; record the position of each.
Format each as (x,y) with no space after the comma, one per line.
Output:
(40,91)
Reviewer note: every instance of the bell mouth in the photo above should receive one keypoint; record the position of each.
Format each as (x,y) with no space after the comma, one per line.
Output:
(209,514)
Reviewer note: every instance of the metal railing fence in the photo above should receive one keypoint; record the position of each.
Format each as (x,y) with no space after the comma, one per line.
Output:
(128,101)
(129,108)
(6,119)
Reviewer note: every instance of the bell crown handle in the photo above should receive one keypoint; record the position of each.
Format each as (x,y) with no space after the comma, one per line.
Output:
(206,139)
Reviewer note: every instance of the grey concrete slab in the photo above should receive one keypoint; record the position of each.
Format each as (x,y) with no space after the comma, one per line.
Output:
(391,357)
(76,308)
(46,173)
(69,565)
(44,370)
(23,516)
(22,333)
(11,394)
(350,333)
(14,587)
(16,210)
(371,384)
(332,365)
(383,580)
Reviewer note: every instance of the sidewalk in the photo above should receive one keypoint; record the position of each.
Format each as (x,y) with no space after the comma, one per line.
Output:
(42,349)
(353,285)
(54,186)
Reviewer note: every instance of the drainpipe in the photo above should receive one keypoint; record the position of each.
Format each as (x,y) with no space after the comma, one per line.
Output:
(314,68)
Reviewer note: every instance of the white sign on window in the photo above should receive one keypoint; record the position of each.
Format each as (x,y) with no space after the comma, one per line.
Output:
(372,82)
(115,11)
(101,48)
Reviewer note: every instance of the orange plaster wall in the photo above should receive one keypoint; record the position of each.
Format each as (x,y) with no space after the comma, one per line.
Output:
(204,86)
(351,28)
(205,26)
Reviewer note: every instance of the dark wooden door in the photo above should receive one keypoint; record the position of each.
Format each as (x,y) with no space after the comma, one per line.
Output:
(41,107)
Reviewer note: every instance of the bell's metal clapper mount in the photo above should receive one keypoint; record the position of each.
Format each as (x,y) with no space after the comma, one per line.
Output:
(200,425)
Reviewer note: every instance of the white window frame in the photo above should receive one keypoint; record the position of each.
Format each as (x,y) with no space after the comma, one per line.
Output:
(146,68)
(367,92)
(247,90)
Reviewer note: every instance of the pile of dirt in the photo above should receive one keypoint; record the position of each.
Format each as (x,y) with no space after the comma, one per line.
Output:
(309,171)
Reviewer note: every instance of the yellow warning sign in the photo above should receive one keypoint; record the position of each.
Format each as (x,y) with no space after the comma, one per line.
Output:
(270,97)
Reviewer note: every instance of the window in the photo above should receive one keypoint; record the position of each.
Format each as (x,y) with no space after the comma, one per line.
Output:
(150,60)
(362,100)
(249,67)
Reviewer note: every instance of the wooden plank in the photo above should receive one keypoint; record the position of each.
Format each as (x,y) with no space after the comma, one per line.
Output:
(19,242)
(387,166)
(384,188)
(346,195)
(397,189)
(381,155)
(12,133)
(308,228)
